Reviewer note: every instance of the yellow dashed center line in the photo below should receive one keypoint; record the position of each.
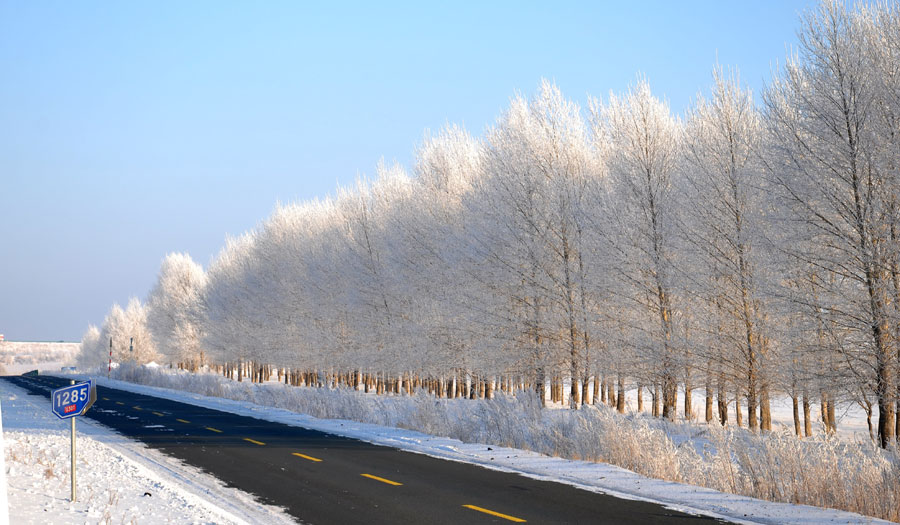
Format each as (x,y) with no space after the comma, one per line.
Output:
(304,456)
(158,414)
(182,420)
(105,399)
(497,514)
(213,429)
(376,478)
(119,403)
(137,408)
(255,442)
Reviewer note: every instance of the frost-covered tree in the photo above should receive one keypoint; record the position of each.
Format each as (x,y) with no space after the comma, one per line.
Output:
(93,352)
(230,324)
(724,187)
(538,165)
(880,23)
(643,142)
(441,264)
(127,328)
(174,309)
(822,119)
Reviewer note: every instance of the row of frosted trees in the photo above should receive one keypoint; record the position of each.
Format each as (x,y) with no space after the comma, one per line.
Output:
(745,251)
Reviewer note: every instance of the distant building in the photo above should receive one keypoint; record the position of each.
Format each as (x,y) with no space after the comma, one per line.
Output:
(1,338)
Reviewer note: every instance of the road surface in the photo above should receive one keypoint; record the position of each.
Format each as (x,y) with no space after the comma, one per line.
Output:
(326,479)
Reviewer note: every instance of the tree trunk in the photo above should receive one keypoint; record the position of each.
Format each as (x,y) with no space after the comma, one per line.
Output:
(765,412)
(832,422)
(897,414)
(640,398)
(752,422)
(796,405)
(611,393)
(620,398)
(655,400)
(603,390)
(688,402)
(886,415)
(585,389)
(807,422)
(722,399)
(540,387)
(868,409)
(574,393)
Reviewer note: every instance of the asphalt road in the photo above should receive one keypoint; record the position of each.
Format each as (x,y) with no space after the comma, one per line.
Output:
(322,479)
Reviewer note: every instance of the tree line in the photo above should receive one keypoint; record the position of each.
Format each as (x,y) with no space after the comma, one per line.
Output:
(744,250)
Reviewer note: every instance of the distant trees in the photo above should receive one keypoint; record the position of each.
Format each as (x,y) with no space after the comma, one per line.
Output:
(91,349)
(127,329)
(748,251)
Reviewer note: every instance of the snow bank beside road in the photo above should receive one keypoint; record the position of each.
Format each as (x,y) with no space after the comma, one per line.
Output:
(279,403)
(119,481)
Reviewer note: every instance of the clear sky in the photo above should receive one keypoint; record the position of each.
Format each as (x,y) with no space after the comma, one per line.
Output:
(132,129)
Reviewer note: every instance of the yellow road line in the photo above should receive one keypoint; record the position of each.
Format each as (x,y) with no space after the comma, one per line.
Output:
(213,429)
(119,403)
(255,442)
(158,414)
(105,399)
(376,478)
(497,514)
(137,408)
(304,456)
(182,420)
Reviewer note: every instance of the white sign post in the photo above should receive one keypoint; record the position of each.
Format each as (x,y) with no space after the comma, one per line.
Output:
(73,456)
(69,402)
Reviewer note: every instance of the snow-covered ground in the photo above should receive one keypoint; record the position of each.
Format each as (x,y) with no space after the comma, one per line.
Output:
(592,476)
(851,419)
(118,481)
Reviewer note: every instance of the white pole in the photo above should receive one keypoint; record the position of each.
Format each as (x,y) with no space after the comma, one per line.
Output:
(4,503)
(73,454)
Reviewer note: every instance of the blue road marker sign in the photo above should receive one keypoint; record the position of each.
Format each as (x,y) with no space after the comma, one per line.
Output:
(73,400)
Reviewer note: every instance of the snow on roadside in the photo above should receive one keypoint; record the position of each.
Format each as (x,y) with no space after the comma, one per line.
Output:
(850,417)
(597,477)
(119,481)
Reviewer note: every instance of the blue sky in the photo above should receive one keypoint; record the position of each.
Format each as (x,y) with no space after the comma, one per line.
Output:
(132,129)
